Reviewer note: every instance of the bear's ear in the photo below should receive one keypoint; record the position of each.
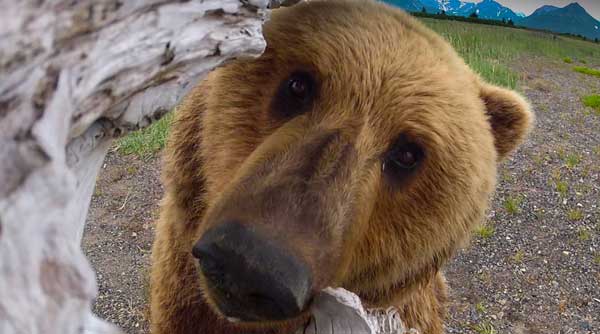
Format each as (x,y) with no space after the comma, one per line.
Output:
(510,116)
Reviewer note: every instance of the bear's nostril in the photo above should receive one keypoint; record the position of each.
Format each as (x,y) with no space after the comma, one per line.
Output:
(204,254)
(204,251)
(197,251)
(210,262)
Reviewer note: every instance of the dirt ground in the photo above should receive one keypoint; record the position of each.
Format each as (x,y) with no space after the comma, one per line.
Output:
(118,237)
(534,269)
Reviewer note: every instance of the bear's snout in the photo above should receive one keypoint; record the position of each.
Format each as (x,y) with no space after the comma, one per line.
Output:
(249,277)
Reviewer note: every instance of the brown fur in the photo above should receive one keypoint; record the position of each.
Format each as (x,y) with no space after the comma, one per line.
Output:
(380,74)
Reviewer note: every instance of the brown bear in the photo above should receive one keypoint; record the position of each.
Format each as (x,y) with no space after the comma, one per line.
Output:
(358,151)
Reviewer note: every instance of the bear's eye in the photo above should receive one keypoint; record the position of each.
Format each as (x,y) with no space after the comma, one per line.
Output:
(402,159)
(405,159)
(299,88)
(294,95)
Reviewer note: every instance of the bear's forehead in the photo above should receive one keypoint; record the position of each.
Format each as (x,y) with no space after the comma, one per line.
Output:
(370,55)
(362,35)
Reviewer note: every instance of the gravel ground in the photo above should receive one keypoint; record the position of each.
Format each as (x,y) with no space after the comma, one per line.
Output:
(534,269)
(539,272)
(118,238)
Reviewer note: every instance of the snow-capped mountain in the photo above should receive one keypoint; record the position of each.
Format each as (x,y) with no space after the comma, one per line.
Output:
(490,9)
(572,18)
(456,7)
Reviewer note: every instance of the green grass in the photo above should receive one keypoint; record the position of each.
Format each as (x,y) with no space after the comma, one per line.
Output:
(562,154)
(131,170)
(512,205)
(562,188)
(148,141)
(480,308)
(518,257)
(587,70)
(572,160)
(485,231)
(584,235)
(488,49)
(485,328)
(575,214)
(568,60)
(592,101)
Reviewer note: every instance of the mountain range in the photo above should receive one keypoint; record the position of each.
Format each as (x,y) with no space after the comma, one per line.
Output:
(573,18)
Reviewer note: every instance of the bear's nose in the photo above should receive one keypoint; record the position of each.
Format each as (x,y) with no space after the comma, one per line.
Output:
(249,277)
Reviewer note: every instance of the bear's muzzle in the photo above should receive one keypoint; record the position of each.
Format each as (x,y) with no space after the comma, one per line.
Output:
(249,277)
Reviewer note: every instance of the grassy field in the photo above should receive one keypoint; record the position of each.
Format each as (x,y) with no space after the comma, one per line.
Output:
(487,49)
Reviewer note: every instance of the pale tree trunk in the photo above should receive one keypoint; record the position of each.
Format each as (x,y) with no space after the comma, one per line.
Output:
(73,76)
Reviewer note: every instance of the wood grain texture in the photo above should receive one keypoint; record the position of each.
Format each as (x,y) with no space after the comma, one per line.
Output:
(73,76)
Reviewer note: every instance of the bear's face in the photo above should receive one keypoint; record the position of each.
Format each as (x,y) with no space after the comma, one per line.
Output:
(358,151)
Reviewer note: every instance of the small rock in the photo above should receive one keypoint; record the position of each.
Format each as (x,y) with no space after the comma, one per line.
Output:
(585,325)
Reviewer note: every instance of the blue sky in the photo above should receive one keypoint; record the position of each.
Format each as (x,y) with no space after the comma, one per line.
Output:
(528,6)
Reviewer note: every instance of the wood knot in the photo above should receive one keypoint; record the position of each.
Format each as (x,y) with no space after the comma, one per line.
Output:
(45,88)
(168,55)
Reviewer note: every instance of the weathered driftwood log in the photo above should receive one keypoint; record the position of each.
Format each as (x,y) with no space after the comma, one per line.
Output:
(73,76)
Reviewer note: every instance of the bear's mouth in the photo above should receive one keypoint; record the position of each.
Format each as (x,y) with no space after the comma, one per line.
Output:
(249,278)
(251,308)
